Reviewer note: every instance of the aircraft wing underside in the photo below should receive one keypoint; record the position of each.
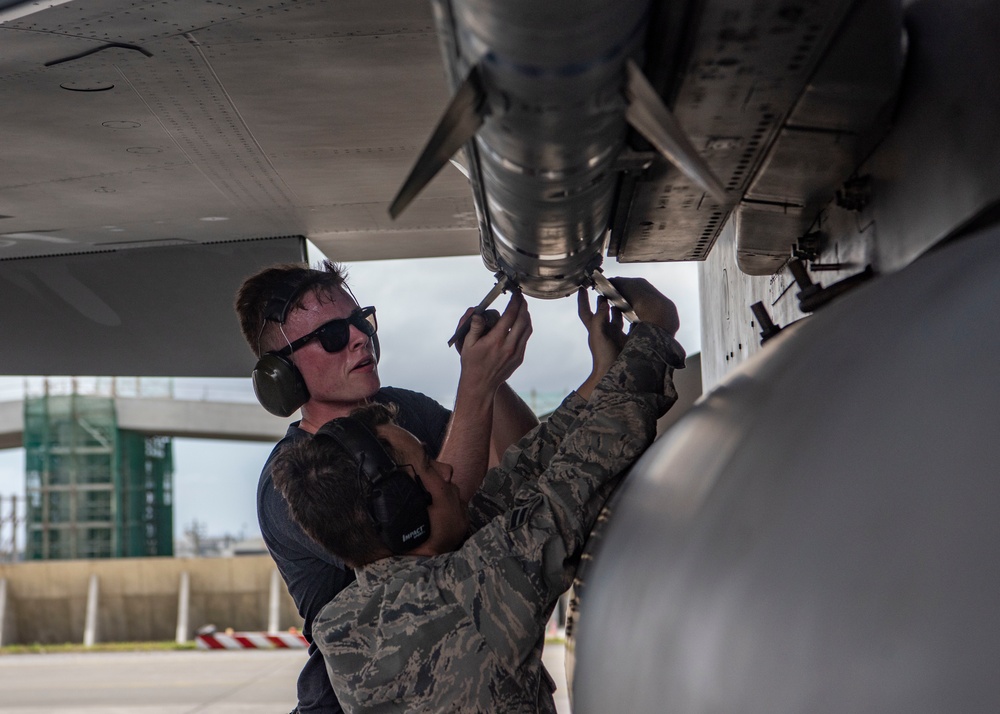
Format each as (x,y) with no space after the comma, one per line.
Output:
(177,126)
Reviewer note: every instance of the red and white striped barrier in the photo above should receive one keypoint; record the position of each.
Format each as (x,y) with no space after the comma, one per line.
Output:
(251,641)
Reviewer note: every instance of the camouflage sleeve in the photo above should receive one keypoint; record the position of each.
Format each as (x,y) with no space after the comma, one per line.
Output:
(512,571)
(523,461)
(615,428)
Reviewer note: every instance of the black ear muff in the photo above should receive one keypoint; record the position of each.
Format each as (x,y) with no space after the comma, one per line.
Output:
(278,385)
(398,506)
(277,382)
(397,501)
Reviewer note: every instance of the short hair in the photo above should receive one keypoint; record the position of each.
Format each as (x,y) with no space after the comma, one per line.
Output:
(294,279)
(320,482)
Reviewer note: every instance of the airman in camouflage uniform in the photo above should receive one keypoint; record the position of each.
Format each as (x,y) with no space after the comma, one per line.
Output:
(463,631)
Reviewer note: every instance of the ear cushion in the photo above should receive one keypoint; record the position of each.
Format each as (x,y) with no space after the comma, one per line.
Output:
(397,502)
(398,505)
(278,385)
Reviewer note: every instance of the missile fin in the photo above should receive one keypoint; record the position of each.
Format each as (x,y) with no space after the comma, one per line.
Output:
(460,122)
(650,117)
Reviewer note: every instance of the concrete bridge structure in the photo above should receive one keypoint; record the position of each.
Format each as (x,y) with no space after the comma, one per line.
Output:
(201,419)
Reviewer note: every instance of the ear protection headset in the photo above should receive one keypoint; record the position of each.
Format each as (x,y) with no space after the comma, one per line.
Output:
(397,501)
(277,382)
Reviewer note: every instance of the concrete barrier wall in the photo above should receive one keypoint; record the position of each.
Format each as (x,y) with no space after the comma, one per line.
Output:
(46,602)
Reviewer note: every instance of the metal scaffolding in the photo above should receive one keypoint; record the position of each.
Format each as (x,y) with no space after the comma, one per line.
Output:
(93,490)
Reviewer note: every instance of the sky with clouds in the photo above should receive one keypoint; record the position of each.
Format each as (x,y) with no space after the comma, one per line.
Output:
(419,303)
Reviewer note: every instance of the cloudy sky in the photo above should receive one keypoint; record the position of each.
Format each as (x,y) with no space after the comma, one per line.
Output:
(419,303)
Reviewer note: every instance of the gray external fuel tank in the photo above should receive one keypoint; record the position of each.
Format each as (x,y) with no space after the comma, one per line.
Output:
(821,533)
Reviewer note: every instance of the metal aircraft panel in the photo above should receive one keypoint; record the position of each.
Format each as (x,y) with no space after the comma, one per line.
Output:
(289,117)
(184,123)
(747,66)
(141,311)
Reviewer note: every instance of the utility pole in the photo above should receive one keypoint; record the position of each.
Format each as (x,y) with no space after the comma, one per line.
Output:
(13,528)
(12,519)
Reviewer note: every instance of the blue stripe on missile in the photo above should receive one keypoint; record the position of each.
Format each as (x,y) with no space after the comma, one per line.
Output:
(576,69)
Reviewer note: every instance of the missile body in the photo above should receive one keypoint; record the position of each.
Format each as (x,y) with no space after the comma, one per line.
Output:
(544,94)
(553,74)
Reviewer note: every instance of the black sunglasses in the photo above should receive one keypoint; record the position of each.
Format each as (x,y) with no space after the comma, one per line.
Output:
(335,334)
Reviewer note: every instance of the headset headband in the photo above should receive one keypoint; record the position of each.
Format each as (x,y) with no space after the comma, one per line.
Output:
(281,301)
(370,456)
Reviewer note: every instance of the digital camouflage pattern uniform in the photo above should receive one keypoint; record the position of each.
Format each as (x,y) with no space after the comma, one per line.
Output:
(463,631)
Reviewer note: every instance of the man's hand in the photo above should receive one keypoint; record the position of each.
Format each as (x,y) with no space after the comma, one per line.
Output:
(494,346)
(604,330)
(489,356)
(490,317)
(650,304)
(604,337)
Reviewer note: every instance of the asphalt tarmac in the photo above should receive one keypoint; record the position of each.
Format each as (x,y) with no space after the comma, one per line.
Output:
(180,682)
